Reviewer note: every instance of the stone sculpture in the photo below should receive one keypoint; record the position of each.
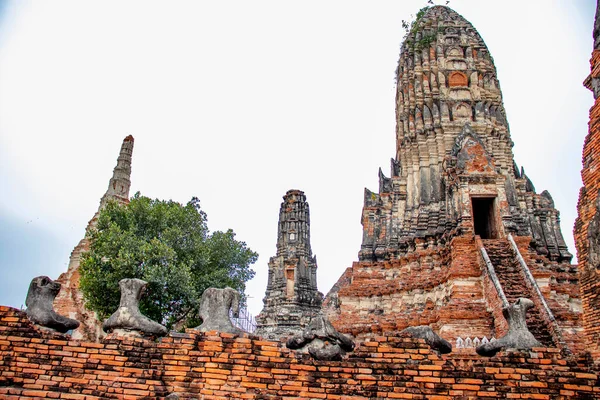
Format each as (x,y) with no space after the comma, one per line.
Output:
(431,338)
(518,336)
(214,310)
(40,310)
(128,320)
(321,340)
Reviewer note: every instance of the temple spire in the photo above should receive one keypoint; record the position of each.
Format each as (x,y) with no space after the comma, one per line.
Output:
(293,235)
(69,300)
(120,183)
(291,298)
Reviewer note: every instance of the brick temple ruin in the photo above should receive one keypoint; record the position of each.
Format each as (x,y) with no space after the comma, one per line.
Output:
(455,193)
(454,237)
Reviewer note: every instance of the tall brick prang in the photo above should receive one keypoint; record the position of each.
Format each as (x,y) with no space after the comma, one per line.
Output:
(291,298)
(587,225)
(70,301)
(455,190)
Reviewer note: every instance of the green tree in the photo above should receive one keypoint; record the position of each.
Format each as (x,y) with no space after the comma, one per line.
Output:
(169,246)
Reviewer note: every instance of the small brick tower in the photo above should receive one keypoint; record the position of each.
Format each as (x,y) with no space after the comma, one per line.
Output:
(70,301)
(454,193)
(291,298)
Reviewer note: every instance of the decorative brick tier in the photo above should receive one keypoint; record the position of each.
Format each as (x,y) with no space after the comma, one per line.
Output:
(444,286)
(39,364)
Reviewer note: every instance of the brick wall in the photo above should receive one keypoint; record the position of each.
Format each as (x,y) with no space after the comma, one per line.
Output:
(589,275)
(38,364)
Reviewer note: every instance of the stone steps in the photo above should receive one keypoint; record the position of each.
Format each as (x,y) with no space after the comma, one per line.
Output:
(513,283)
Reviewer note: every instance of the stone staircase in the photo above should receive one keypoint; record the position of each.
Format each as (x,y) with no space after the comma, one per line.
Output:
(514,285)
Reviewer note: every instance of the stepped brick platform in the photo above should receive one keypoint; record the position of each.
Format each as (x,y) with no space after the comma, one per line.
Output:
(39,364)
(442,286)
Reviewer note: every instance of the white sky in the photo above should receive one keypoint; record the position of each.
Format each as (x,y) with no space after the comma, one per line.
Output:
(236,102)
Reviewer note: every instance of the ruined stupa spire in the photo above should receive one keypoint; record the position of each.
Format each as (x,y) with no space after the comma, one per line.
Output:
(293,234)
(451,130)
(120,183)
(291,298)
(70,300)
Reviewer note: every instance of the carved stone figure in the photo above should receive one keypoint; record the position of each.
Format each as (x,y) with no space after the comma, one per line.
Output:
(518,336)
(128,320)
(321,340)
(431,338)
(40,310)
(214,310)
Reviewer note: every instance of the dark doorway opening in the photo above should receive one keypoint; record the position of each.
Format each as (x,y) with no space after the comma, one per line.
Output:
(484,220)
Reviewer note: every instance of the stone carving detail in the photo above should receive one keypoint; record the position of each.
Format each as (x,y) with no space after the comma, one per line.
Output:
(431,338)
(291,298)
(128,320)
(518,336)
(321,340)
(40,310)
(214,310)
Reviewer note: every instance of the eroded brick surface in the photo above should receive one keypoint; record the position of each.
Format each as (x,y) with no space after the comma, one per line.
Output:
(37,364)
(585,232)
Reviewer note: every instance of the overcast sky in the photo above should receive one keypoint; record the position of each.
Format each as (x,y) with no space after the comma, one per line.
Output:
(236,102)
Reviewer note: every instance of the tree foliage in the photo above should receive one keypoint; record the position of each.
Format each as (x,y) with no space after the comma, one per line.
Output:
(169,246)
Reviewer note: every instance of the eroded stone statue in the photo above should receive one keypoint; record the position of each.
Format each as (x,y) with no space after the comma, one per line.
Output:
(40,309)
(214,310)
(518,336)
(431,338)
(128,320)
(321,340)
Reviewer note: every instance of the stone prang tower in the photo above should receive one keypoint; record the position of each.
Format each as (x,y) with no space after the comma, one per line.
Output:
(453,194)
(291,298)
(69,300)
